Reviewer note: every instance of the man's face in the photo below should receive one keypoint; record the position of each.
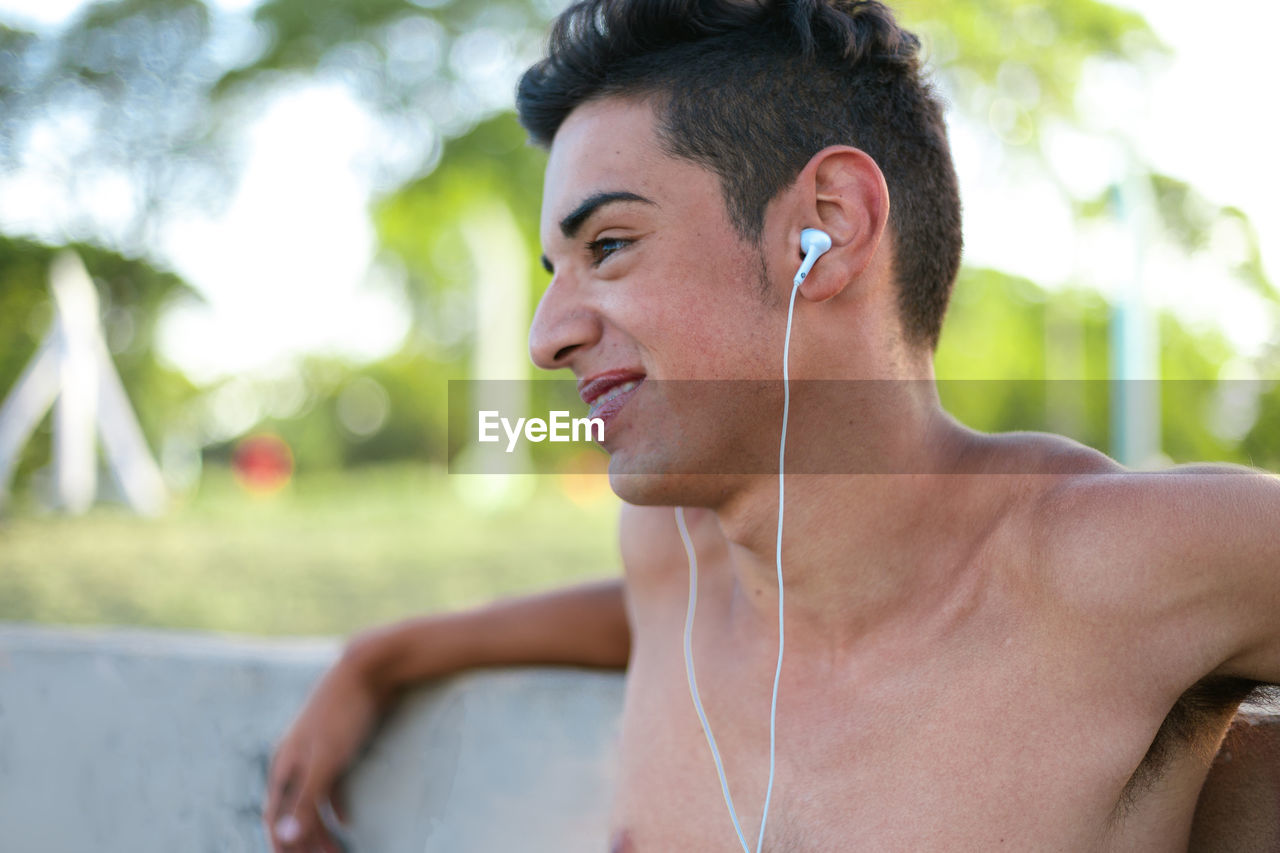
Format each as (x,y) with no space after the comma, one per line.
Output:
(651,282)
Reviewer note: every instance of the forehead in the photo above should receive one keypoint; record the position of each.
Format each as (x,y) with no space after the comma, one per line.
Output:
(612,145)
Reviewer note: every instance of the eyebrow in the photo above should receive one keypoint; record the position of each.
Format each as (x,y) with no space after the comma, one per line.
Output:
(573,222)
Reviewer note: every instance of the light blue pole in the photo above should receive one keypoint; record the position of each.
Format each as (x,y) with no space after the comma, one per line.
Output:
(1135,354)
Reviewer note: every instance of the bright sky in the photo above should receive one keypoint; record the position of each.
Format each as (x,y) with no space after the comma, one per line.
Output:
(1202,118)
(284,268)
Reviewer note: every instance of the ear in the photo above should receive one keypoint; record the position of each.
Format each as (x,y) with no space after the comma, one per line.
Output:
(842,191)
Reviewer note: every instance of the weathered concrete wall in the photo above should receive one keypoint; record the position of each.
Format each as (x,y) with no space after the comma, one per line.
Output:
(138,741)
(141,741)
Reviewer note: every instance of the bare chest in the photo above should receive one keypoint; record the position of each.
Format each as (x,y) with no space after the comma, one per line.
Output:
(960,749)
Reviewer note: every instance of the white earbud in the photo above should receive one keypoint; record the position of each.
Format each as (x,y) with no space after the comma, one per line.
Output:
(814,244)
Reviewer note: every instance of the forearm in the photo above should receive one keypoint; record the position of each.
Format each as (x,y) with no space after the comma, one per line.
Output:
(583,625)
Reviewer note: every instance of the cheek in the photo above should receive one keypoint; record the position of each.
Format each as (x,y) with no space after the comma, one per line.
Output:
(728,338)
(698,313)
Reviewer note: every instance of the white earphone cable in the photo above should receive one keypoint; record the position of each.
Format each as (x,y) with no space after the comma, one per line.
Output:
(693,681)
(693,599)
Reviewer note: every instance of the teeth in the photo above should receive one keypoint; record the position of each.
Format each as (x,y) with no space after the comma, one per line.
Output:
(615,391)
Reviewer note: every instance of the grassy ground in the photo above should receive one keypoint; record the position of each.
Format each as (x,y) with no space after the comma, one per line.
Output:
(329,554)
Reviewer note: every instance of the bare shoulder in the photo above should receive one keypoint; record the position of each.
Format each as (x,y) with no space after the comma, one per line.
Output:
(1093,508)
(1064,520)
(1035,477)
(1053,458)
(1083,527)
(1173,563)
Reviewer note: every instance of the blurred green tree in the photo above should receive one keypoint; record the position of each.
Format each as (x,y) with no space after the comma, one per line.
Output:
(150,93)
(116,105)
(1045,367)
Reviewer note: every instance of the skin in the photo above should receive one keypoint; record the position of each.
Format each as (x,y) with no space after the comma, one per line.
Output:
(978,652)
(979,648)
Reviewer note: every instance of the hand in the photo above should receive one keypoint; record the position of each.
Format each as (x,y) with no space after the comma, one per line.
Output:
(312,756)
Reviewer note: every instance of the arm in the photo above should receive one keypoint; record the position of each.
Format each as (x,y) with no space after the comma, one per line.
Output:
(583,625)
(1244,528)
(1217,546)
(1191,556)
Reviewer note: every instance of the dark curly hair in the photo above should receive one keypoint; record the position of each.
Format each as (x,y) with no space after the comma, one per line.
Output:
(752,90)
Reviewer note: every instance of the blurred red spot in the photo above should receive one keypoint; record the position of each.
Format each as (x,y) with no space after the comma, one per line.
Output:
(262,463)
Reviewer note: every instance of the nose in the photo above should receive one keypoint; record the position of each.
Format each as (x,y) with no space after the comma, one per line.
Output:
(562,325)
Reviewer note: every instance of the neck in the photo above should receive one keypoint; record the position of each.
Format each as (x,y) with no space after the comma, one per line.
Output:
(860,550)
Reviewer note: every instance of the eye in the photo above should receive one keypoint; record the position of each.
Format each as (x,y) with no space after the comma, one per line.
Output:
(603,248)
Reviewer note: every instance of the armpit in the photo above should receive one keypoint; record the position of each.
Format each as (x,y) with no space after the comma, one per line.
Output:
(1196,722)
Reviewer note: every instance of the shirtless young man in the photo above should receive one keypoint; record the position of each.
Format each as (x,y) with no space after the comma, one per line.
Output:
(1010,643)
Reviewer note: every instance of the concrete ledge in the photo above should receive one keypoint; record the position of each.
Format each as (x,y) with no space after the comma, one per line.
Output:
(125,740)
(139,741)
(1239,807)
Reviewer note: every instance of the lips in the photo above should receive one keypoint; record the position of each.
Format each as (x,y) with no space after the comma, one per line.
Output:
(606,393)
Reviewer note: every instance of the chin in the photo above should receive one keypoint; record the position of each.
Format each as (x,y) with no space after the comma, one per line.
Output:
(693,465)
(660,487)
(641,479)
(643,489)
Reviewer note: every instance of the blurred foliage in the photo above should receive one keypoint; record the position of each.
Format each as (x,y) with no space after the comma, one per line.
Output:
(346,415)
(151,94)
(1016,64)
(1194,224)
(1047,369)
(132,293)
(1258,444)
(131,115)
(117,102)
(427,70)
(421,224)
(411,44)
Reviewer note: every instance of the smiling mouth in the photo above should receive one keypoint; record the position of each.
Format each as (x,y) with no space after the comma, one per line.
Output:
(612,400)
